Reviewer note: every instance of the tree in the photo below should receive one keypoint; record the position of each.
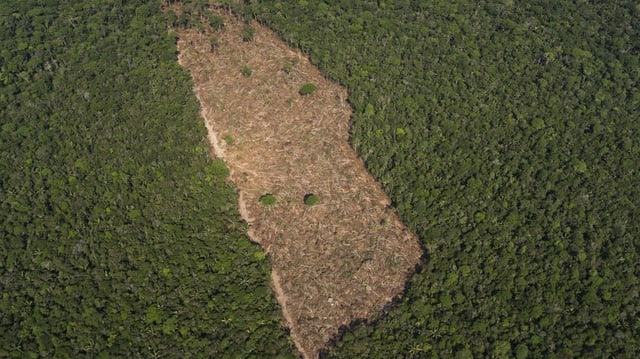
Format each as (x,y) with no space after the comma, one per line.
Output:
(310,199)
(307,89)
(268,199)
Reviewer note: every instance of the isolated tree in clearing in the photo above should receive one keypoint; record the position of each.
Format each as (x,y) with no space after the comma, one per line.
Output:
(268,199)
(307,89)
(310,199)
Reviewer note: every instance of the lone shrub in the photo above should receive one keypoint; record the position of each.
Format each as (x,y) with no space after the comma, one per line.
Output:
(310,199)
(268,199)
(290,64)
(288,67)
(247,33)
(246,71)
(228,139)
(307,89)
(216,22)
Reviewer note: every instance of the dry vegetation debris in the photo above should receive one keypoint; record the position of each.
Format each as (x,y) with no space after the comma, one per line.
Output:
(339,260)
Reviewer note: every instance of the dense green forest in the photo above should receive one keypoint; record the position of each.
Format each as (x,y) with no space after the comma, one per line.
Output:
(506,133)
(119,236)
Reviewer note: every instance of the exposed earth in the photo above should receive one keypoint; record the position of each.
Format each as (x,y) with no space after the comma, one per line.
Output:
(333,262)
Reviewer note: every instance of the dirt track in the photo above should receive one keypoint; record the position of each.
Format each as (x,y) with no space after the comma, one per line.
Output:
(340,260)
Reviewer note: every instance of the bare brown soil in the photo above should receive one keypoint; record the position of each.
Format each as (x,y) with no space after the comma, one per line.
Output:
(340,260)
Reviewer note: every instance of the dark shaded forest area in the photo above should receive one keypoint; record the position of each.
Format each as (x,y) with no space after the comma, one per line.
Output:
(506,133)
(119,237)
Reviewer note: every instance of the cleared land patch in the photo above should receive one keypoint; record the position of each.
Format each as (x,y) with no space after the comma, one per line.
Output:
(338,256)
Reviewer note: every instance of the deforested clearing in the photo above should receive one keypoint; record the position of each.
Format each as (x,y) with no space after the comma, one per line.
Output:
(338,257)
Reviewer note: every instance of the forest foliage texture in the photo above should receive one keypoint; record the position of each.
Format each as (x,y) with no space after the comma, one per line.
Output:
(506,133)
(119,237)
